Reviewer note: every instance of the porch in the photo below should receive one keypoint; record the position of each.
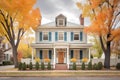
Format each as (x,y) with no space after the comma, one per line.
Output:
(63,55)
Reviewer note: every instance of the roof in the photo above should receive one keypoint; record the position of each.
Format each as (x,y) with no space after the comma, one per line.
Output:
(54,24)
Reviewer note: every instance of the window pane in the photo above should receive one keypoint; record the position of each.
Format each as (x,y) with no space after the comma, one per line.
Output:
(76,36)
(61,22)
(60,36)
(45,36)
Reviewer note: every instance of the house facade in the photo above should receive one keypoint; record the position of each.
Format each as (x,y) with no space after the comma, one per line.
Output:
(60,41)
(5,51)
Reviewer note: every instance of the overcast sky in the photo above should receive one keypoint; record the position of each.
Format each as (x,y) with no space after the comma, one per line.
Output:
(51,8)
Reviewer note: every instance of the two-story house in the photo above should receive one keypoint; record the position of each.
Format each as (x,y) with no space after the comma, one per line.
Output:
(61,41)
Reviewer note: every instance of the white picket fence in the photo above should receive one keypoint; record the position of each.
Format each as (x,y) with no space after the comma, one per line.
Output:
(113,62)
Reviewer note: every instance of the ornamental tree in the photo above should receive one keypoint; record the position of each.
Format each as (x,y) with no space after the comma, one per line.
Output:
(16,17)
(105,19)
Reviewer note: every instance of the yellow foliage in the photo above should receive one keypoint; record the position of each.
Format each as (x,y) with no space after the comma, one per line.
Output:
(85,60)
(25,49)
(46,60)
(73,60)
(101,17)
(37,59)
(23,14)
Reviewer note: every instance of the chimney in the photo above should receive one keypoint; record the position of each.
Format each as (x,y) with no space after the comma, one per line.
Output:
(81,20)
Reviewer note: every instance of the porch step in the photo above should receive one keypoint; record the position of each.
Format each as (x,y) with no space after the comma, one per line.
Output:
(61,67)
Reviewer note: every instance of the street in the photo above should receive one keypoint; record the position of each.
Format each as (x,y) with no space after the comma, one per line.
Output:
(59,78)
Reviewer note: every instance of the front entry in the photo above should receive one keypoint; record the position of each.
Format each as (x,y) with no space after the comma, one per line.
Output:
(60,57)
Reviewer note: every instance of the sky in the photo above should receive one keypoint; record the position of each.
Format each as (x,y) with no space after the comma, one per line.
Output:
(51,8)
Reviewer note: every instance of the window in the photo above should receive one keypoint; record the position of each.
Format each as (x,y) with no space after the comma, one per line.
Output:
(41,55)
(60,22)
(81,54)
(71,54)
(76,36)
(60,36)
(45,36)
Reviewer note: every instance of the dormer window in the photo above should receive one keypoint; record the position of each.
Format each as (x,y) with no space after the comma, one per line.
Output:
(60,22)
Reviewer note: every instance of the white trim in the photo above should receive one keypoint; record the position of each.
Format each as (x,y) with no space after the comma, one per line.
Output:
(54,57)
(68,61)
(32,55)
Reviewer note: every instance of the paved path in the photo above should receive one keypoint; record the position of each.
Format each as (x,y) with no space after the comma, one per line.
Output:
(59,78)
(2,68)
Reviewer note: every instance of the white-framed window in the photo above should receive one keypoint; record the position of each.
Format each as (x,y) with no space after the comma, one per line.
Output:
(61,22)
(45,36)
(61,36)
(76,36)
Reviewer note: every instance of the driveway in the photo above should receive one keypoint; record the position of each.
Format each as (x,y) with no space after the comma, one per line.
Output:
(2,68)
(59,78)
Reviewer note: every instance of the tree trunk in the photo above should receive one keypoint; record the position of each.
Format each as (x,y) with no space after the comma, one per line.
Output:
(107,56)
(14,50)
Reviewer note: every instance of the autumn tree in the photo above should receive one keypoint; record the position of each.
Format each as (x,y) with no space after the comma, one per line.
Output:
(24,46)
(97,46)
(16,17)
(105,19)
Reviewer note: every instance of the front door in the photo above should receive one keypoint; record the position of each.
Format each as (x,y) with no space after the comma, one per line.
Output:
(60,57)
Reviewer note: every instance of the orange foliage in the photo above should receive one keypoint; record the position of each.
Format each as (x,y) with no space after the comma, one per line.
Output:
(101,17)
(19,56)
(22,12)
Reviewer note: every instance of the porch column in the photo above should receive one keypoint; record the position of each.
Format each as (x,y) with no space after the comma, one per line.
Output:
(54,57)
(32,55)
(68,62)
(89,53)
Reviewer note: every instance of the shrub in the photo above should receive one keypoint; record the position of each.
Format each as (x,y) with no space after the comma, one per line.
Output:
(49,66)
(95,66)
(37,65)
(30,66)
(83,66)
(74,66)
(42,66)
(118,66)
(7,62)
(20,66)
(90,65)
(100,65)
(24,66)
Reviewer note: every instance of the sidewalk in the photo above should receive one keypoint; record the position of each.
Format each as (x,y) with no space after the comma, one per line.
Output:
(54,73)
(6,67)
